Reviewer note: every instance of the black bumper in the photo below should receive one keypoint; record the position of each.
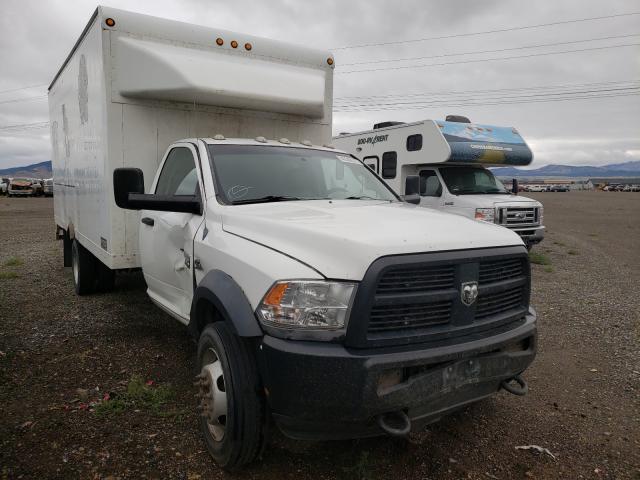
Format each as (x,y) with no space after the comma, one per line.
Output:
(325,391)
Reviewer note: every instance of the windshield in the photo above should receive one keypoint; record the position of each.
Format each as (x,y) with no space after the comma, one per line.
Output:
(471,180)
(255,174)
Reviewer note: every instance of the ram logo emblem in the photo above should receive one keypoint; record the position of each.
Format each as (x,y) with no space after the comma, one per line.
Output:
(469,293)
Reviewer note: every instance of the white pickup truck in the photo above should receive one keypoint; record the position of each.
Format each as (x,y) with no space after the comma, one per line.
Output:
(318,298)
(451,157)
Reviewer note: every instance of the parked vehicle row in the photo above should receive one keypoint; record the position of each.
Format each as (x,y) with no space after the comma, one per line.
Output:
(546,188)
(621,188)
(26,187)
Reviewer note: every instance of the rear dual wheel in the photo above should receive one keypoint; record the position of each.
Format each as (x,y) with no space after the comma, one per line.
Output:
(89,274)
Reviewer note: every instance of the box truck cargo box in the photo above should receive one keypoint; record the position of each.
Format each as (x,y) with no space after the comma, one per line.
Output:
(134,84)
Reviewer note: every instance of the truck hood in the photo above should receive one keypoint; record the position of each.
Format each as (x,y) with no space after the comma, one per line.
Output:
(341,238)
(487,199)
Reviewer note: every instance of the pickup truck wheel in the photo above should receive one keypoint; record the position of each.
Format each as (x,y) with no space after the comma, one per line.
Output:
(231,406)
(83,266)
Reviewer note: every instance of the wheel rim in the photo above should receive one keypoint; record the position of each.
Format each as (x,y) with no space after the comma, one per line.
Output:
(74,262)
(213,395)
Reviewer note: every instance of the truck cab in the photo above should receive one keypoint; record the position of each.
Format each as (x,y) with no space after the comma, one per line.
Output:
(451,157)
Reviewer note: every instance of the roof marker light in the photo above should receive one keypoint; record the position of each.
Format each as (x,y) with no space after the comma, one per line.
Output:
(219,136)
(247,46)
(219,41)
(330,61)
(286,141)
(234,44)
(261,139)
(110,22)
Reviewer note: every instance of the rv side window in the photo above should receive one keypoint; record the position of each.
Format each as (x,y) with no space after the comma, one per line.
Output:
(178,176)
(414,142)
(389,164)
(372,162)
(430,184)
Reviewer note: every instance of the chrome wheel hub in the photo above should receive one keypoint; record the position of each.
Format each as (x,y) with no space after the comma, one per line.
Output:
(212,395)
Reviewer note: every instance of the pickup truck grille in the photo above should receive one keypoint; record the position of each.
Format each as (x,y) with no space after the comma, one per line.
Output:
(421,301)
(518,216)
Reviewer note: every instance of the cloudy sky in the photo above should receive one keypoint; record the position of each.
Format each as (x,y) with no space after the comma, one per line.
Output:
(412,76)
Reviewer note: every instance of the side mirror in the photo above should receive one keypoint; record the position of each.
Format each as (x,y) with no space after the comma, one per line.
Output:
(412,189)
(126,181)
(128,189)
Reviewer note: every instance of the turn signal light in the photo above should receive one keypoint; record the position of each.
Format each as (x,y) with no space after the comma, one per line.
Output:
(274,297)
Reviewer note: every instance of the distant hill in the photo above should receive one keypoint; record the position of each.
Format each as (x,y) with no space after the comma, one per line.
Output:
(37,170)
(627,169)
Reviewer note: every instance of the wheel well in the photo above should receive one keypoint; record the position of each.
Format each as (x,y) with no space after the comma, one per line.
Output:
(206,313)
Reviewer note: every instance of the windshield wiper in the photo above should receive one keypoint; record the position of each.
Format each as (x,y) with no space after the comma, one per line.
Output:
(360,197)
(267,199)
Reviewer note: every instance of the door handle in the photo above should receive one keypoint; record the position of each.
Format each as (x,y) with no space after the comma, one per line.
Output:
(148,221)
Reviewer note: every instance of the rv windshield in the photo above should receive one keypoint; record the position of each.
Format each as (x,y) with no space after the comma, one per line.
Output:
(471,181)
(259,174)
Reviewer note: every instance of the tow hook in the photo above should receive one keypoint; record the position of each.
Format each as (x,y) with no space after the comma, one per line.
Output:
(520,387)
(396,424)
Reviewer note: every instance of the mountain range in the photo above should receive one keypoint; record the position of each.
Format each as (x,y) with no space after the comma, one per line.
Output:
(40,170)
(627,169)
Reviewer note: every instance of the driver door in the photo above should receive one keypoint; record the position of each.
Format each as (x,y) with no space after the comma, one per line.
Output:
(166,238)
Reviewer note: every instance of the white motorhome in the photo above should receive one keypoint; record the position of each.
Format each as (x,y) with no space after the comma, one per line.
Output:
(198,155)
(451,158)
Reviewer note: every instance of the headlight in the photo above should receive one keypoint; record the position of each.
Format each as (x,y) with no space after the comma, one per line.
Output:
(485,215)
(540,214)
(307,304)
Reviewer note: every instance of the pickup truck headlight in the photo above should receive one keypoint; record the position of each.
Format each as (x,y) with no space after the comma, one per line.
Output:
(485,215)
(305,304)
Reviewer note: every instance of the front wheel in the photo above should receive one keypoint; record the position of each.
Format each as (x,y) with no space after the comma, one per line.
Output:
(231,402)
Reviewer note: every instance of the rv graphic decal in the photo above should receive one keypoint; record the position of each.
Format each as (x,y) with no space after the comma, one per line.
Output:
(373,140)
(485,144)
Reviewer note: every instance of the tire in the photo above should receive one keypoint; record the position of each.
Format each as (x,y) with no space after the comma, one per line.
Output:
(83,267)
(105,277)
(227,369)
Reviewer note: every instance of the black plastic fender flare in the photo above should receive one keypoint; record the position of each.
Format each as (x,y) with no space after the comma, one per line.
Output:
(222,291)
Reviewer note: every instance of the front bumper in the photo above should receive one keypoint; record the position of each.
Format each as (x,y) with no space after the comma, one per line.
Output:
(531,235)
(326,391)
(26,193)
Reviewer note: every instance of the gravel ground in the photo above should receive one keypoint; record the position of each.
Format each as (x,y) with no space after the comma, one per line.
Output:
(61,354)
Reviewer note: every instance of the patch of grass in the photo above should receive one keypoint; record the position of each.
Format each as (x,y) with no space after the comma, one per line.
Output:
(138,396)
(8,275)
(548,269)
(573,252)
(539,258)
(361,470)
(13,262)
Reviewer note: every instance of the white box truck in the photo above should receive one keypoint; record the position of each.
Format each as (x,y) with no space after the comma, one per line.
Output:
(318,299)
(451,157)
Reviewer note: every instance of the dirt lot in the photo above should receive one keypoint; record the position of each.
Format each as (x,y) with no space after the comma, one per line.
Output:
(584,401)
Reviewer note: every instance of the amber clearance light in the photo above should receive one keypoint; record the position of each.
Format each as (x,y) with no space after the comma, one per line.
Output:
(219,41)
(234,44)
(110,22)
(247,46)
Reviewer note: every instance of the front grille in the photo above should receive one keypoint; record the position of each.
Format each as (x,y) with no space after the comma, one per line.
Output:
(502,269)
(414,278)
(496,303)
(518,216)
(416,315)
(418,298)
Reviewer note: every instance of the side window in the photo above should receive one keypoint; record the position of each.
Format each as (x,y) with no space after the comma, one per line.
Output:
(414,142)
(430,184)
(372,162)
(389,164)
(178,176)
